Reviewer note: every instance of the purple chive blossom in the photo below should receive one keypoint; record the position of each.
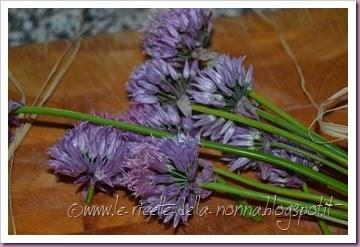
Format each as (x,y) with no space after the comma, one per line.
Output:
(225,85)
(165,118)
(92,154)
(227,132)
(277,175)
(268,172)
(157,82)
(179,35)
(168,172)
(12,121)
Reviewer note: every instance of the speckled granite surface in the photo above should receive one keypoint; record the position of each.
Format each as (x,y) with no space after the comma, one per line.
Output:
(42,25)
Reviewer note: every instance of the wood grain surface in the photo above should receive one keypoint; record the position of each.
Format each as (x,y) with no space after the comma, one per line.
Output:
(96,82)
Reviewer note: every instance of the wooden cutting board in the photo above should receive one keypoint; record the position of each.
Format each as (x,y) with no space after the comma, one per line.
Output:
(96,82)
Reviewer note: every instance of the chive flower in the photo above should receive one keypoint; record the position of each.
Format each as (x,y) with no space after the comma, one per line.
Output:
(91,154)
(164,118)
(278,176)
(157,82)
(179,35)
(227,132)
(225,85)
(167,172)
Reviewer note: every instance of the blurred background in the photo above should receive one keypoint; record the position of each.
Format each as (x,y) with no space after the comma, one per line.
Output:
(43,25)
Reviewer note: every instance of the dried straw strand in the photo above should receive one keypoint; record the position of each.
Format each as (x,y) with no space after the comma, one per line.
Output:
(334,130)
(55,77)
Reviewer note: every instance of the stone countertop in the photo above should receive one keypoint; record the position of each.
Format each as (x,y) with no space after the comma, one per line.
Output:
(43,25)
